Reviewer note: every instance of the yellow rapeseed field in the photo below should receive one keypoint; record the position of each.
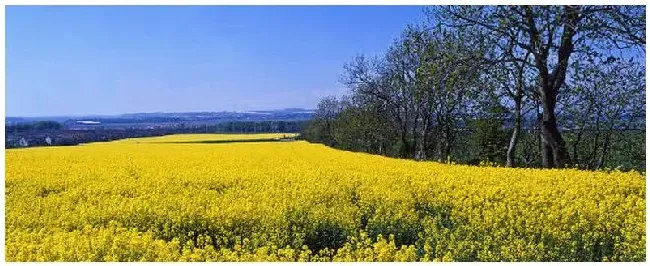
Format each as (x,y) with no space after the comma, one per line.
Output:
(190,138)
(156,200)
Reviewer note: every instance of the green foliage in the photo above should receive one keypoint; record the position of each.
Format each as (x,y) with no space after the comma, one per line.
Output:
(490,140)
(488,134)
(452,91)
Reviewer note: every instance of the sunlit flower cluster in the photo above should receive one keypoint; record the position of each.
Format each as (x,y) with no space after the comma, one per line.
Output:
(153,200)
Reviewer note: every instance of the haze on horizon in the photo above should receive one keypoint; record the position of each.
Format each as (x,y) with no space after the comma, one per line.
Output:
(108,60)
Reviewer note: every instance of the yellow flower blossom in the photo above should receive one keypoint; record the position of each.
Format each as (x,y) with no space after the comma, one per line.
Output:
(165,199)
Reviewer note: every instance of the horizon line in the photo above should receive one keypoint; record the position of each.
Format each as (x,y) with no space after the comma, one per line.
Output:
(157,112)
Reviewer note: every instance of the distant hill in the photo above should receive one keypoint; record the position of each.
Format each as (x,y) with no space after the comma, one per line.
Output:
(162,119)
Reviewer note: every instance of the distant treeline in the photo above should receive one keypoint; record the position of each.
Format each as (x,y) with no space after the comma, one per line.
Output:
(246,127)
(38,125)
(48,133)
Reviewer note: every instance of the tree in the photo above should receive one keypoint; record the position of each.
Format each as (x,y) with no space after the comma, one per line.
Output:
(390,82)
(608,96)
(488,136)
(551,34)
(450,75)
(433,91)
(321,128)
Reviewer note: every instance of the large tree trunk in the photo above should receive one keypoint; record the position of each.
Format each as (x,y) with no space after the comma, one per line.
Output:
(512,148)
(547,151)
(551,137)
(550,81)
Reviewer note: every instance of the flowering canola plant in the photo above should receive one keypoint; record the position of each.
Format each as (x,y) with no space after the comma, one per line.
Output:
(152,200)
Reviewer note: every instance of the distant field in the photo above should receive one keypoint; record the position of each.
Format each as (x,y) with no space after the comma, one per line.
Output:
(130,200)
(181,138)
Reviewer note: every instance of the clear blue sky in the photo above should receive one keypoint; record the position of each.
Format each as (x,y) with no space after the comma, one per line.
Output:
(113,60)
